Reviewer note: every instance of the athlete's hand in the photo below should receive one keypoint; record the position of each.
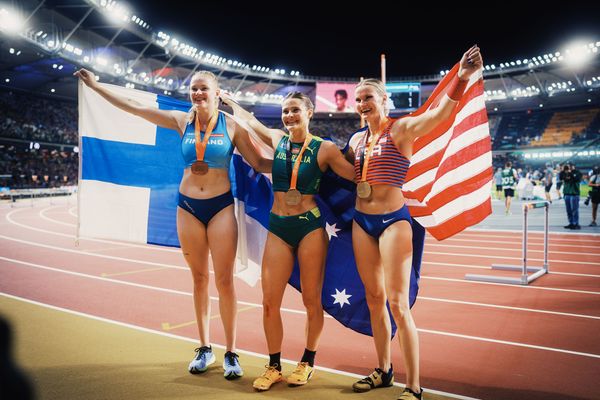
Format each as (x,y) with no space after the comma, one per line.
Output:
(227,99)
(470,62)
(87,77)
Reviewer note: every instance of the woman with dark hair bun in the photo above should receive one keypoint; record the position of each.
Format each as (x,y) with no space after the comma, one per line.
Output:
(296,228)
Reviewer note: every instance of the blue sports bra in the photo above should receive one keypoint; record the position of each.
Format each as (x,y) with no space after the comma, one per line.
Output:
(218,150)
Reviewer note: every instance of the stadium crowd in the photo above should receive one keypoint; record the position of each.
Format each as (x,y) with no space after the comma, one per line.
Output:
(51,122)
(32,118)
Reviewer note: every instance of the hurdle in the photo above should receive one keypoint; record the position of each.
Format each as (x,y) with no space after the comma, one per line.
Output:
(524,279)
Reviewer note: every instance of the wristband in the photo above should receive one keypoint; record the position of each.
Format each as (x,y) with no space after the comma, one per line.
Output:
(457,88)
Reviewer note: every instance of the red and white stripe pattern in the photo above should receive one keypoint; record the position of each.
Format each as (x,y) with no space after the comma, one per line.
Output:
(448,185)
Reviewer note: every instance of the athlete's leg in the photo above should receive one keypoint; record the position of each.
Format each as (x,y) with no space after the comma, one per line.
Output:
(311,256)
(194,245)
(277,265)
(222,241)
(395,245)
(368,262)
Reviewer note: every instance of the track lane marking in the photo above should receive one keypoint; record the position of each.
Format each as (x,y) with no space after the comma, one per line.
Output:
(220,346)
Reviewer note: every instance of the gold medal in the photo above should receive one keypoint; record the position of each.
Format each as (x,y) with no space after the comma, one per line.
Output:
(293,197)
(199,168)
(363,190)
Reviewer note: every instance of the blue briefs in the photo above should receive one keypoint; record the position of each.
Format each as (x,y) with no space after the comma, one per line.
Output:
(205,209)
(375,224)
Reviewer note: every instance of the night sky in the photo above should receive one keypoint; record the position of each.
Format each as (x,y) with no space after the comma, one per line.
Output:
(348,41)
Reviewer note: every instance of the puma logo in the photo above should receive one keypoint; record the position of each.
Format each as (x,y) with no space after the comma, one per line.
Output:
(303,217)
(311,150)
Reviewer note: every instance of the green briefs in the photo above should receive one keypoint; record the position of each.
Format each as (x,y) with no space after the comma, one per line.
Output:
(292,229)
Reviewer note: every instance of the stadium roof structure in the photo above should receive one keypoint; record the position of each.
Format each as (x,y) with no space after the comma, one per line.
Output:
(42,42)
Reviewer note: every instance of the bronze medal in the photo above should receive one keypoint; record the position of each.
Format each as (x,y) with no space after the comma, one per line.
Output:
(363,189)
(199,168)
(293,197)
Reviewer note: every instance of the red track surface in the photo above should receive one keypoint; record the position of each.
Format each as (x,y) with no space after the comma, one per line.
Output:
(481,340)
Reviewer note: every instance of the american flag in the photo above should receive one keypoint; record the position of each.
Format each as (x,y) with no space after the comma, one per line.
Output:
(448,185)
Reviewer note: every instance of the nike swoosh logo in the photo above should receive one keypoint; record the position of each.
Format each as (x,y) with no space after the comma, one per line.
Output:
(385,221)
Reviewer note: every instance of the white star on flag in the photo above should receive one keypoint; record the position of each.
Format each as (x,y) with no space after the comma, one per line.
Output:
(331,230)
(341,298)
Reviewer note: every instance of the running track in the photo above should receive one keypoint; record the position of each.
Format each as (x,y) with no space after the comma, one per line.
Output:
(480,340)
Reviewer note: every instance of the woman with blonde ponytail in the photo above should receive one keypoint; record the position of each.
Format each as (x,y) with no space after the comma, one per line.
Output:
(205,217)
(381,231)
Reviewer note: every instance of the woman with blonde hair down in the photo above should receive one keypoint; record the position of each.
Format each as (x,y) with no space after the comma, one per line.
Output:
(296,228)
(205,216)
(381,232)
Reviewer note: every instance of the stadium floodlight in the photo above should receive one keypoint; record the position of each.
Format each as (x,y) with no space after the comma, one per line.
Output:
(577,54)
(7,80)
(11,21)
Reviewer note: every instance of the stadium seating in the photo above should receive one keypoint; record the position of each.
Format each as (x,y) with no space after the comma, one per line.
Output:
(519,128)
(564,125)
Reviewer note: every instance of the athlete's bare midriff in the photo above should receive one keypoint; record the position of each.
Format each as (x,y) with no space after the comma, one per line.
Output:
(383,199)
(214,183)
(280,207)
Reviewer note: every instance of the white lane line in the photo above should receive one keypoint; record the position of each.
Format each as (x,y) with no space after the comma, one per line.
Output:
(518,249)
(220,346)
(470,303)
(141,246)
(507,285)
(530,346)
(9,217)
(586,237)
(138,285)
(215,298)
(172,291)
(502,257)
(475,338)
(443,264)
(185,268)
(72,212)
(85,253)
(429,243)
(42,214)
(430,239)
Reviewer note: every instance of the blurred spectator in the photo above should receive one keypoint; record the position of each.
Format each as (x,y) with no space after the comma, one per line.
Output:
(498,178)
(548,177)
(24,168)
(571,177)
(594,194)
(559,182)
(509,184)
(29,117)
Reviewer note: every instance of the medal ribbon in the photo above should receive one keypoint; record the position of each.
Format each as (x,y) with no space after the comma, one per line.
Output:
(201,144)
(364,160)
(288,157)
